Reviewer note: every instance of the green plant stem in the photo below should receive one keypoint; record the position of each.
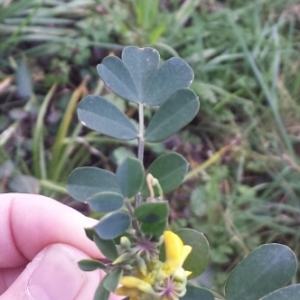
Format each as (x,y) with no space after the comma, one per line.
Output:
(53,186)
(141,141)
(141,145)
(135,223)
(160,191)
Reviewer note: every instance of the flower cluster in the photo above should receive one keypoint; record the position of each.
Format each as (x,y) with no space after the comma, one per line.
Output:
(154,279)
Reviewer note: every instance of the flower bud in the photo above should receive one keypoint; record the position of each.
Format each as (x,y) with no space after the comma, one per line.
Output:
(180,275)
(128,267)
(141,265)
(161,240)
(125,242)
(122,258)
(134,282)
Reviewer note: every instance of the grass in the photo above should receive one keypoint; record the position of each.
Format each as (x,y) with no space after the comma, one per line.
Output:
(243,147)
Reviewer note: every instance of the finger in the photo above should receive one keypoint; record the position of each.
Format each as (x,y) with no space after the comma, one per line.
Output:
(54,274)
(29,223)
(8,276)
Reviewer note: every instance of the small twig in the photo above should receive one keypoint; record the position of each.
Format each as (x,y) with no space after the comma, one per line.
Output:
(141,145)
(209,162)
(141,141)
(135,223)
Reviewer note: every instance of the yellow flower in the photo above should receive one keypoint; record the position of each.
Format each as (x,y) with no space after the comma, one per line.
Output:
(176,252)
(133,287)
(134,282)
(132,293)
(160,280)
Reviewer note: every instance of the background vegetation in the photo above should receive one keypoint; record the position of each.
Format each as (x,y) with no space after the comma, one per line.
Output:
(243,147)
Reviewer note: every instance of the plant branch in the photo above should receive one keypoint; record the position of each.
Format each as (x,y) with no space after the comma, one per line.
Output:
(141,141)
(135,223)
(141,145)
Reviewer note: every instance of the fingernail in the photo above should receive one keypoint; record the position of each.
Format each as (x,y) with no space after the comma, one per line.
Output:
(56,275)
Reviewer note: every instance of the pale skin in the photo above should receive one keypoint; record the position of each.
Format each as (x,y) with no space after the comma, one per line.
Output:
(41,242)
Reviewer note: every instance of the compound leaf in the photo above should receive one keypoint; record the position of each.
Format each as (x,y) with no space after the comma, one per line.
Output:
(169,169)
(142,63)
(112,279)
(112,225)
(117,77)
(291,292)
(152,212)
(263,271)
(138,77)
(196,292)
(98,114)
(130,176)
(197,260)
(91,265)
(107,247)
(175,113)
(106,201)
(101,293)
(173,75)
(84,182)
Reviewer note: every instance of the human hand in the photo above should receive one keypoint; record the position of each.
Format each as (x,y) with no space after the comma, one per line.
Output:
(41,241)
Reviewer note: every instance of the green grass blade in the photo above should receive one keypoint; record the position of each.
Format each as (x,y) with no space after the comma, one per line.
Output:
(58,147)
(265,88)
(38,153)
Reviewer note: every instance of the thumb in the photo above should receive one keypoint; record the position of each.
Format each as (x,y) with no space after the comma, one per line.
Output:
(54,275)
